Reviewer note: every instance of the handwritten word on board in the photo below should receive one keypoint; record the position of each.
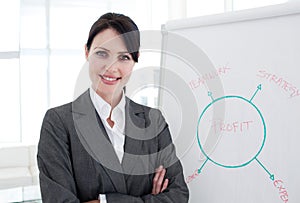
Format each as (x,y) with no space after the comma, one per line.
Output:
(283,194)
(235,126)
(195,83)
(281,82)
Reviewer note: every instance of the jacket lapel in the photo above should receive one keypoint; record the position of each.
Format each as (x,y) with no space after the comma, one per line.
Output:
(136,160)
(95,140)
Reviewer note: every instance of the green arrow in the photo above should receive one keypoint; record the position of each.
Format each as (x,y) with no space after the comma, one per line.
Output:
(258,88)
(270,175)
(200,169)
(210,95)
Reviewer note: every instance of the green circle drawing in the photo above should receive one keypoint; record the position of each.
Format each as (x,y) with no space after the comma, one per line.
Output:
(262,119)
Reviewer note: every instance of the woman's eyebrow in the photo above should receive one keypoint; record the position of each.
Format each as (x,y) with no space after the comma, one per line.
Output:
(102,48)
(120,52)
(123,52)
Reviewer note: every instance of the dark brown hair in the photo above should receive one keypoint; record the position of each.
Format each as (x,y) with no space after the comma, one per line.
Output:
(124,25)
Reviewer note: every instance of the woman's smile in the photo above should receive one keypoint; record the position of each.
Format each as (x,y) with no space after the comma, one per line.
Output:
(109,80)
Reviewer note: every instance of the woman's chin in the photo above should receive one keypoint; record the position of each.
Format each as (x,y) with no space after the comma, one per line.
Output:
(109,91)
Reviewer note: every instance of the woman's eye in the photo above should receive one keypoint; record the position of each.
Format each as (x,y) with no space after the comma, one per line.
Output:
(101,53)
(124,57)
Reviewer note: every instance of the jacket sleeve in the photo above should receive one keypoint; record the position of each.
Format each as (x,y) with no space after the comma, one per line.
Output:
(56,175)
(177,190)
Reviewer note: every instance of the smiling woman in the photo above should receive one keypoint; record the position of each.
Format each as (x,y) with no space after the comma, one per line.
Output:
(110,65)
(103,147)
(112,49)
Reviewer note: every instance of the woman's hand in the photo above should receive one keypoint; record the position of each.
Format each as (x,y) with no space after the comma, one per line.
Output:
(159,183)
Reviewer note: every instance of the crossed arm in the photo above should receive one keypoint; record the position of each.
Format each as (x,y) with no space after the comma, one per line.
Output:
(159,183)
(57,177)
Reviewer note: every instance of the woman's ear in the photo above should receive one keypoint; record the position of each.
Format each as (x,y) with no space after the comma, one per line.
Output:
(86,51)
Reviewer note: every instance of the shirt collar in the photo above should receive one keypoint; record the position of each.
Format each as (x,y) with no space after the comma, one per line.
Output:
(103,109)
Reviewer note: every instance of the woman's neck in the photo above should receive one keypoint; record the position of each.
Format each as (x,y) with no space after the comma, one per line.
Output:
(112,99)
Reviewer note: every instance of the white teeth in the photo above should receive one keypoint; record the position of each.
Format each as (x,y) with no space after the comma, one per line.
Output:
(109,79)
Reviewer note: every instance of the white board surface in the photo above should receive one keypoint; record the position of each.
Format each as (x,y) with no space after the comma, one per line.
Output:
(240,90)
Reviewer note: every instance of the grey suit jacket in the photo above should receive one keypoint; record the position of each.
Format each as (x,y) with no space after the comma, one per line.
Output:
(77,162)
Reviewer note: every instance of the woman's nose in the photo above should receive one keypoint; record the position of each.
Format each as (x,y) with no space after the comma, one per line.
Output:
(112,65)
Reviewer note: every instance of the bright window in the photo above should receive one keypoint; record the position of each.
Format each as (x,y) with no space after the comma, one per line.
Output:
(42,50)
(204,7)
(10,100)
(245,4)
(9,22)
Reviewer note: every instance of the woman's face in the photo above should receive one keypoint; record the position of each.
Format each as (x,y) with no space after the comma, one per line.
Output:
(110,64)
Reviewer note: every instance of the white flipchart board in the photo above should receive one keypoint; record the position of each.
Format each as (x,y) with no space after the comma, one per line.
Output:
(256,58)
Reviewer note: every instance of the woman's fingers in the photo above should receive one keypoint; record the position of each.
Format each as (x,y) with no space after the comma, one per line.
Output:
(160,180)
(155,179)
(159,184)
(165,185)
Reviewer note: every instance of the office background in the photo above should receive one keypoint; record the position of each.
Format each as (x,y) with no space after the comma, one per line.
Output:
(41,54)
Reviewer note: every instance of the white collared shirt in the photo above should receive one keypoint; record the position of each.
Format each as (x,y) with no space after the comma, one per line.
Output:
(116,133)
